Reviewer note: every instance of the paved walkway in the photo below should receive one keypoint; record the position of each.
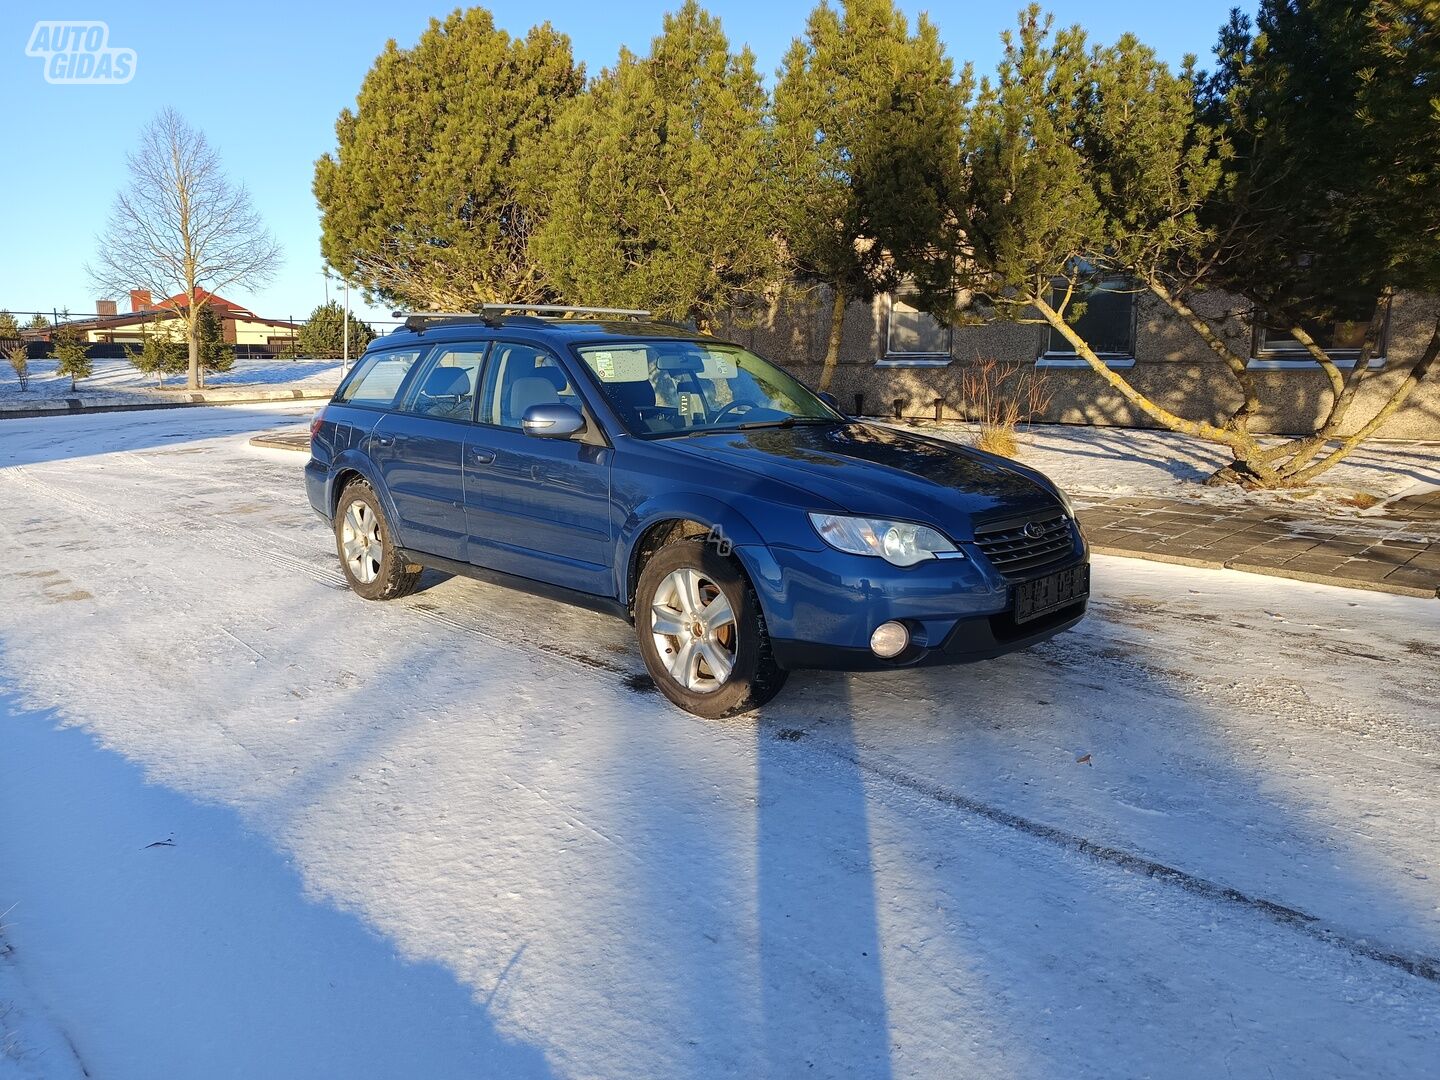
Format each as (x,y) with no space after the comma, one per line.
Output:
(1397,553)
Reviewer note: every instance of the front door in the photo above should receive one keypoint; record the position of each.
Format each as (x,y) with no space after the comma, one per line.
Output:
(538,508)
(420,448)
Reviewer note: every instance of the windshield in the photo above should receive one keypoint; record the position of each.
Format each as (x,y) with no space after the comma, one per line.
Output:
(676,387)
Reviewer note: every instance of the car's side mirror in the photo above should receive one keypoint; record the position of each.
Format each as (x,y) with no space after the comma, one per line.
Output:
(829,399)
(553,421)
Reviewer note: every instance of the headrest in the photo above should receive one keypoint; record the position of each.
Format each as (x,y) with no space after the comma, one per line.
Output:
(555,375)
(531,390)
(447,382)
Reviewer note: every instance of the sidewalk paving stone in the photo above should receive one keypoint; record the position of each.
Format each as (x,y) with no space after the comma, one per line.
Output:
(1351,552)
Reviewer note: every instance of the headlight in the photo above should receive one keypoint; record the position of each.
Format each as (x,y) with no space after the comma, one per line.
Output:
(902,543)
(1065,502)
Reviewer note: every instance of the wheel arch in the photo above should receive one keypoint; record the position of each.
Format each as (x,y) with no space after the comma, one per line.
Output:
(651,528)
(353,465)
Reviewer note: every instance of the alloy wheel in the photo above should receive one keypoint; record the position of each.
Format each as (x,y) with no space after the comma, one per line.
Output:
(694,630)
(360,540)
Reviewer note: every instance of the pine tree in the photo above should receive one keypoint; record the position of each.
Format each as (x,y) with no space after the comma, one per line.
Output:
(9,327)
(159,353)
(67,348)
(19,357)
(867,126)
(1081,164)
(323,335)
(1331,199)
(37,322)
(215,354)
(652,186)
(420,200)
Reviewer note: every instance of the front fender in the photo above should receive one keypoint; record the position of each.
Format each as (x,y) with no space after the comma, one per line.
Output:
(727,524)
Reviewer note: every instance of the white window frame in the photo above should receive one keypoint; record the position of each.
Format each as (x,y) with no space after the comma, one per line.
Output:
(901,358)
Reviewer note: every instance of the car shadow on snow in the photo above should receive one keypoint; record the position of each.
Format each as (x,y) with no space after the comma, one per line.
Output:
(167,940)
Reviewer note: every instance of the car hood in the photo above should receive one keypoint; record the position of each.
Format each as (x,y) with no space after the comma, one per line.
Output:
(881,472)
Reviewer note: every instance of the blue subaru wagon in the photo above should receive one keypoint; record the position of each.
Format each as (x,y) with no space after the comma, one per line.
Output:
(742,523)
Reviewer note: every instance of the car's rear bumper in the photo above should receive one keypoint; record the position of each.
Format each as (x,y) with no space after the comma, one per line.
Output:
(317,487)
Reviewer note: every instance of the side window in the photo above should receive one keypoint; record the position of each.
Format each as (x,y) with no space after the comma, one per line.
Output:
(446,388)
(519,376)
(378,378)
(913,332)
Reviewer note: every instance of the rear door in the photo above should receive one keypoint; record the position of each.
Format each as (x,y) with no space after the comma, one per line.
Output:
(538,508)
(419,449)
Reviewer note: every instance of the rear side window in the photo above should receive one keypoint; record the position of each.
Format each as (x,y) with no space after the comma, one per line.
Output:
(446,388)
(378,378)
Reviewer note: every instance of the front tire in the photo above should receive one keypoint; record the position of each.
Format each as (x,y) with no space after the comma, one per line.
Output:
(702,633)
(372,564)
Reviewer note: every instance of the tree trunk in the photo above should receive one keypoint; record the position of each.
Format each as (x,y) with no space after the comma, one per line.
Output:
(1249,467)
(1340,404)
(1414,378)
(837,333)
(1239,366)
(195,381)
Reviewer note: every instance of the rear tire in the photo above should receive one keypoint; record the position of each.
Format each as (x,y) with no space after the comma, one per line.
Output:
(372,564)
(702,633)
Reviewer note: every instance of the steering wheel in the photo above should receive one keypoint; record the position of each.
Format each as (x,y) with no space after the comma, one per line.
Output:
(735,407)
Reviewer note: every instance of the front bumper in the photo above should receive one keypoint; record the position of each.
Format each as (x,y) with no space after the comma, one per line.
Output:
(822,606)
(970,641)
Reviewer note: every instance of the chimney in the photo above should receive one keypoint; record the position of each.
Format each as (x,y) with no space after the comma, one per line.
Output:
(139,299)
(105,307)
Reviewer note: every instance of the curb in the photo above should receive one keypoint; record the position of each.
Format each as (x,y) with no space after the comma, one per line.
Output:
(283,440)
(76,406)
(1270,571)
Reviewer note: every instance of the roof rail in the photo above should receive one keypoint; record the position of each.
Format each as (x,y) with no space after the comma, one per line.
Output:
(562,309)
(493,314)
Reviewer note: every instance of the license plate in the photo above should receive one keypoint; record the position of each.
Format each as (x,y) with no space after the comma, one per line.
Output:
(1050,593)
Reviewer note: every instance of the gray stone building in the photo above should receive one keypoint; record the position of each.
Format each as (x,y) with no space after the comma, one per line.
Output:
(897,360)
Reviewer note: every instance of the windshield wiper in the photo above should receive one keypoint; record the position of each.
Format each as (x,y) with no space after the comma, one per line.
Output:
(789,421)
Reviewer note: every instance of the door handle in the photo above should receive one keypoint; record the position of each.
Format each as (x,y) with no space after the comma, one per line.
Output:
(481,457)
(383,440)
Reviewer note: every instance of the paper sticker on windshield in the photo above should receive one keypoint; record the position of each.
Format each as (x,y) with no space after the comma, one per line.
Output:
(619,365)
(718,366)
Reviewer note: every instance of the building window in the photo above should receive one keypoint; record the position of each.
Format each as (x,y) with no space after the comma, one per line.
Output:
(1107,324)
(1341,336)
(913,334)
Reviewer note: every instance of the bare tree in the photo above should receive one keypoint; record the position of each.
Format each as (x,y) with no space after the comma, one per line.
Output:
(182,230)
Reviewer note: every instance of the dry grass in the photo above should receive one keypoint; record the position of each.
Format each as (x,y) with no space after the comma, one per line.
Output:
(999,397)
(1361,499)
(998,439)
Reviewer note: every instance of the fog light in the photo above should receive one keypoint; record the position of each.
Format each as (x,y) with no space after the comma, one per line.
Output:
(889,640)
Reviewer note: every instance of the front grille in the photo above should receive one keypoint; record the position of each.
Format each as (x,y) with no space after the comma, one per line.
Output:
(1011,551)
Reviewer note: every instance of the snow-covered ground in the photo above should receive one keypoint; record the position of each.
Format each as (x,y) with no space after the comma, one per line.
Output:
(251,825)
(1104,461)
(118,377)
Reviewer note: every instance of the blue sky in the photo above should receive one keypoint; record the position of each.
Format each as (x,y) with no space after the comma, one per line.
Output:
(266,80)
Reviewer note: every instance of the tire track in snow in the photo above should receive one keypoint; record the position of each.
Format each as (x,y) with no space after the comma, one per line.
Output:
(867,758)
(214,533)
(875,763)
